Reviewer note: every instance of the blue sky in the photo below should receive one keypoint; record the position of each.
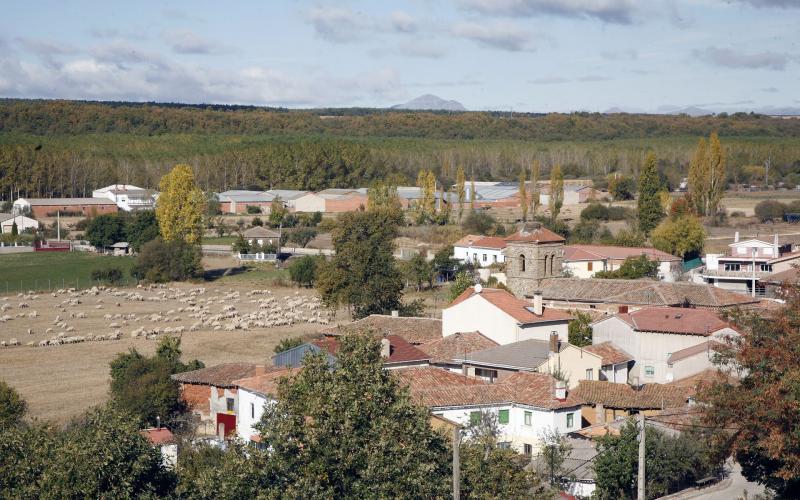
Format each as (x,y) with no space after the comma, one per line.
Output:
(521,55)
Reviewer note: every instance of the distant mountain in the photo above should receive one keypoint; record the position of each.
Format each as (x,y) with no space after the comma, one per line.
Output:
(431,102)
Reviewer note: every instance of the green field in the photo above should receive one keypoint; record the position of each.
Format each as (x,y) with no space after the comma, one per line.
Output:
(53,270)
(219,240)
(255,275)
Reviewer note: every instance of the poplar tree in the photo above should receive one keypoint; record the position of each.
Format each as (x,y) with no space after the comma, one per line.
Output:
(180,206)
(707,176)
(535,195)
(523,196)
(472,193)
(461,182)
(556,191)
(649,203)
(716,174)
(698,169)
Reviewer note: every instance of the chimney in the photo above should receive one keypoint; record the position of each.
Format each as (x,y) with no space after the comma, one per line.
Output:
(386,348)
(395,314)
(537,303)
(736,237)
(600,413)
(260,370)
(561,390)
(553,342)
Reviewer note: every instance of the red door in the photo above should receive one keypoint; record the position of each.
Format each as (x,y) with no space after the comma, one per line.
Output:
(229,421)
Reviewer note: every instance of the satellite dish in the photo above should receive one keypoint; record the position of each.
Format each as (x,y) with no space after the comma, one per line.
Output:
(478,288)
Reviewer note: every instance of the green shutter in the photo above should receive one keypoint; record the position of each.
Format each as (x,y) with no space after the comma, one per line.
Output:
(475,417)
(503,417)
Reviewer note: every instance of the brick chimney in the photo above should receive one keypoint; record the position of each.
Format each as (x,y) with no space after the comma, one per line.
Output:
(736,237)
(537,303)
(554,342)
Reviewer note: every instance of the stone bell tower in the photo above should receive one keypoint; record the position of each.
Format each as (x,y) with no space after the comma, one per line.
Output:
(532,254)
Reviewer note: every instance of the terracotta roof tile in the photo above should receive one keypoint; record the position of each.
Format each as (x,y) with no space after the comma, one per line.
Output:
(402,351)
(703,347)
(455,346)
(650,396)
(429,377)
(677,320)
(535,235)
(600,252)
(514,307)
(610,353)
(160,435)
(222,375)
(414,330)
(641,292)
(266,384)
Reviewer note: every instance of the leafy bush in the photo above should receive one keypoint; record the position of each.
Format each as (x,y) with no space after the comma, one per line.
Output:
(288,343)
(595,211)
(111,275)
(303,271)
(105,230)
(162,261)
(257,222)
(770,210)
(253,209)
(633,268)
(478,222)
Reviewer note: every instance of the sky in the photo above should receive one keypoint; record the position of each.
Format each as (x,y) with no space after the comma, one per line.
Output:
(515,55)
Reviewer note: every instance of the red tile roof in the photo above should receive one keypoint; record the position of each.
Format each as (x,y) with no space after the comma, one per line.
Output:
(158,435)
(266,384)
(692,384)
(602,252)
(623,396)
(401,351)
(535,235)
(222,375)
(468,240)
(456,345)
(449,389)
(514,307)
(610,353)
(678,320)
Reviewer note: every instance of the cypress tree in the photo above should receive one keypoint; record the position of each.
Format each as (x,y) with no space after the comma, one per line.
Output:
(650,210)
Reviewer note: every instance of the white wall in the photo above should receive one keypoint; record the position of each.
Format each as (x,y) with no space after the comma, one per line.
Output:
(647,348)
(309,203)
(23,223)
(580,268)
(542,331)
(481,257)
(247,416)
(516,432)
(617,374)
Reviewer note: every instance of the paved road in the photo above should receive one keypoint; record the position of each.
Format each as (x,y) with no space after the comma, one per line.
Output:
(732,488)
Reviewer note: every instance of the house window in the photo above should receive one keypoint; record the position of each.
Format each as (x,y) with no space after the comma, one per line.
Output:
(731,266)
(474,417)
(570,420)
(589,266)
(528,418)
(527,449)
(649,371)
(484,257)
(766,267)
(589,374)
(504,445)
(485,374)
(502,416)
(522,263)
(252,410)
(494,258)
(229,404)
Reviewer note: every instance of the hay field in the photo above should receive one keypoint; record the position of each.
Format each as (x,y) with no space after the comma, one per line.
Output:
(219,323)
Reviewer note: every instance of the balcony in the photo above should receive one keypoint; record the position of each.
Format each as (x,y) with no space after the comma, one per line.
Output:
(741,275)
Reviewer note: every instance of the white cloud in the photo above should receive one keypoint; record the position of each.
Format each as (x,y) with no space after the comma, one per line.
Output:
(189,42)
(610,11)
(501,35)
(729,58)
(337,24)
(403,22)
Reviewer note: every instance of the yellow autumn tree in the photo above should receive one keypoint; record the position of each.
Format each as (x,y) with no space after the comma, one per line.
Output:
(556,191)
(180,206)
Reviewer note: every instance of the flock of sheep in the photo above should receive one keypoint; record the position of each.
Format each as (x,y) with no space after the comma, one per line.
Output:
(209,310)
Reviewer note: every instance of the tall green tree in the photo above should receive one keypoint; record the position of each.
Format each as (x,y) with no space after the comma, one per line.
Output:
(649,203)
(303,271)
(140,228)
(181,206)
(535,192)
(698,178)
(717,174)
(383,196)
(523,195)
(362,274)
(556,191)
(579,329)
(633,268)
(105,230)
(353,432)
(418,270)
(681,236)
(461,181)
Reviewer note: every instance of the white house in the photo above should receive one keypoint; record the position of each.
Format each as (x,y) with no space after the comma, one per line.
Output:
(127,197)
(255,396)
(482,251)
(23,222)
(262,236)
(502,317)
(615,362)
(524,405)
(583,261)
(746,262)
(652,335)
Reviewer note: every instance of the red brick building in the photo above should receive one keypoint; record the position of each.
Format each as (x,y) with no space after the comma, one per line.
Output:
(49,207)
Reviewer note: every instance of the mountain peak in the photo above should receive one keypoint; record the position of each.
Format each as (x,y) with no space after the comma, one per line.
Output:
(431,102)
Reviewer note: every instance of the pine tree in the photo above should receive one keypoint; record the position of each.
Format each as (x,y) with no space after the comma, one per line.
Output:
(523,196)
(461,181)
(535,195)
(650,187)
(556,191)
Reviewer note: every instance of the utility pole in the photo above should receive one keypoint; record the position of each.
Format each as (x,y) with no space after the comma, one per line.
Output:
(456,463)
(641,495)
